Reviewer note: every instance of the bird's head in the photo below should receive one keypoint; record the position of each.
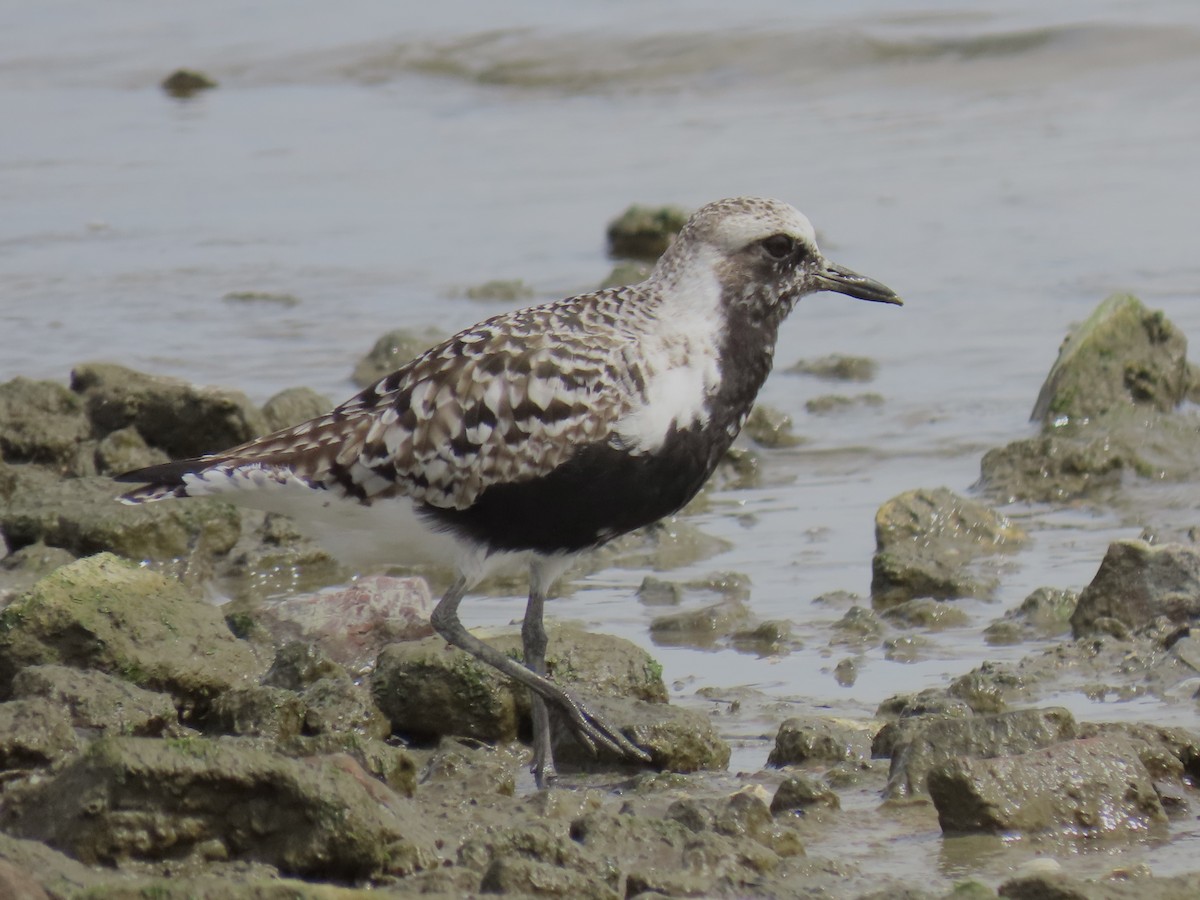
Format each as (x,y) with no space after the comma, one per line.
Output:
(764,255)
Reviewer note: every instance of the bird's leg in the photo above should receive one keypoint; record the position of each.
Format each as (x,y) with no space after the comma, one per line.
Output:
(590,729)
(533,642)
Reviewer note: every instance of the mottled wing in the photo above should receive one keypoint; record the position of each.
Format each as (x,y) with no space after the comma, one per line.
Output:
(507,400)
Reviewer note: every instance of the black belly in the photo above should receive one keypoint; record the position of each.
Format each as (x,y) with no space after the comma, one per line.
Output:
(599,494)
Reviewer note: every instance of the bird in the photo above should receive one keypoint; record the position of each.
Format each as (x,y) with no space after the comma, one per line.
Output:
(542,433)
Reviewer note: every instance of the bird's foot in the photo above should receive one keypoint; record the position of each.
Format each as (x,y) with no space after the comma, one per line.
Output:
(594,732)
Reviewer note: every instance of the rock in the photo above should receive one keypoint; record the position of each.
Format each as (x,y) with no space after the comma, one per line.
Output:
(41,422)
(394,766)
(926,539)
(626,272)
(297,665)
(1083,788)
(145,799)
(391,351)
(34,733)
(104,613)
(256,710)
(644,232)
(339,706)
(351,624)
(263,298)
(98,703)
(34,561)
(500,290)
(925,743)
(926,613)
(169,414)
(701,627)
(184,83)
(1046,612)
(426,688)
(54,873)
(677,739)
(124,450)
(82,515)
(666,856)
(292,406)
(1117,886)
(768,427)
(837,367)
(1136,583)
(1054,467)
(834,403)
(805,739)
(858,625)
(659,592)
(470,768)
(799,792)
(989,688)
(1123,354)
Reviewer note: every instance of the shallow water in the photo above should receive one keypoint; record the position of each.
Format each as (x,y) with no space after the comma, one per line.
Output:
(1003,169)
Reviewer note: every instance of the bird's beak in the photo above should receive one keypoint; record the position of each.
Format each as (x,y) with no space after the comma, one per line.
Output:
(832,277)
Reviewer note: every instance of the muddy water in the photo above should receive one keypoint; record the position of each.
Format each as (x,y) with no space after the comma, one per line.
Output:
(1003,169)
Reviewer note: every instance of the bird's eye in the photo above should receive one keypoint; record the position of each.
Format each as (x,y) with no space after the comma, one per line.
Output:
(779,246)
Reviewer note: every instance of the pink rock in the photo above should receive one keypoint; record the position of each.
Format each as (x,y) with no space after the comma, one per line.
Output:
(352,623)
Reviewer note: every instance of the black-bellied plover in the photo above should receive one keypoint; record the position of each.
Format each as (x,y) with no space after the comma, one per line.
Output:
(544,432)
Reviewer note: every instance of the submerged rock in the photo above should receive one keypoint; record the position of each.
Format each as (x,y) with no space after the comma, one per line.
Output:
(837,367)
(768,427)
(925,541)
(1138,582)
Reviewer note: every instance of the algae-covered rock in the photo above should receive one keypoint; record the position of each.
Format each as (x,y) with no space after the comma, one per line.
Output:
(925,743)
(1136,583)
(505,290)
(107,614)
(124,450)
(82,515)
(1122,354)
(427,688)
(34,733)
(292,406)
(98,703)
(146,799)
(769,427)
(257,710)
(803,739)
(677,739)
(170,414)
(799,792)
(391,351)
(837,367)
(184,83)
(54,873)
(644,232)
(41,422)
(1088,787)
(925,541)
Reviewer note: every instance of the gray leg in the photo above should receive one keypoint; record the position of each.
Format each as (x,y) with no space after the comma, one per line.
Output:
(591,730)
(533,641)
